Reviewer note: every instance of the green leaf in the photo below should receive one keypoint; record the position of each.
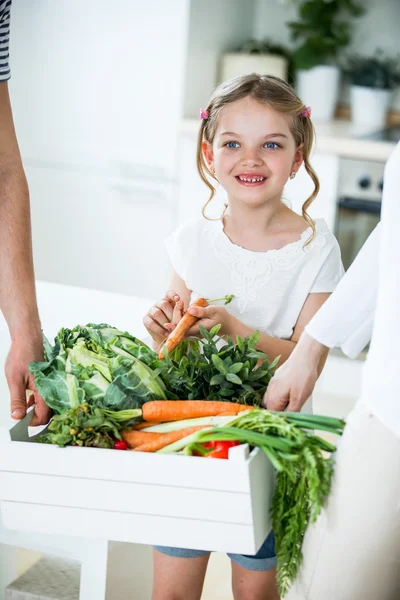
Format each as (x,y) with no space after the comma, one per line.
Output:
(233,378)
(204,333)
(217,380)
(240,343)
(244,373)
(256,354)
(219,363)
(253,341)
(235,368)
(226,393)
(258,374)
(215,330)
(274,363)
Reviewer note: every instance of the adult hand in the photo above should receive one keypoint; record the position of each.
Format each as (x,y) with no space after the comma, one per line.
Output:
(294,381)
(24,349)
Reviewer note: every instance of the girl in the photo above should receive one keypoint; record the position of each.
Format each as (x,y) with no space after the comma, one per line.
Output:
(254,135)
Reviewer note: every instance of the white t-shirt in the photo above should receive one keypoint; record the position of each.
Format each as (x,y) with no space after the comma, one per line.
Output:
(270,287)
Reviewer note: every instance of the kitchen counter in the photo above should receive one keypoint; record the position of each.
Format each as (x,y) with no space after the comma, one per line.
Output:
(339,137)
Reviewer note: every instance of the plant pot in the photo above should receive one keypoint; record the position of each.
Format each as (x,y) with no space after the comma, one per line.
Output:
(235,64)
(369,106)
(319,88)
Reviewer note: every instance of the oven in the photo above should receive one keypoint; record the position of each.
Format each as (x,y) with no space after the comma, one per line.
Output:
(358,207)
(359,198)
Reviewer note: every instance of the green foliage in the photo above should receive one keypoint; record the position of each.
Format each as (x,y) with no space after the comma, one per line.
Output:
(377,71)
(322,30)
(82,425)
(236,372)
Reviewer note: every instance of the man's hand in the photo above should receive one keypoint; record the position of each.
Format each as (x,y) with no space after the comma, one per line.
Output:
(24,350)
(294,381)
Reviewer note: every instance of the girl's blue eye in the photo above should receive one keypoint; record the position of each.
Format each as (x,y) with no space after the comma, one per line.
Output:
(271,145)
(232,145)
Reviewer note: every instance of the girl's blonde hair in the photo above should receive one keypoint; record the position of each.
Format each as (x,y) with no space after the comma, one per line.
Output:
(275,93)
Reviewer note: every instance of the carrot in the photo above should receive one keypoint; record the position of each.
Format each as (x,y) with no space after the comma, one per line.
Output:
(165,439)
(136,438)
(145,425)
(177,410)
(177,335)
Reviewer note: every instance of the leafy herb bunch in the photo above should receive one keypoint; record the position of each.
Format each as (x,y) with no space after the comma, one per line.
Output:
(237,371)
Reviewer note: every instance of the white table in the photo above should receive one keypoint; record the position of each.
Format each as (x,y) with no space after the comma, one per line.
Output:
(64,306)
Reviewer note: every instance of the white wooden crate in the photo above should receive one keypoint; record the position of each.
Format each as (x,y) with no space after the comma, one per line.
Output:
(180,501)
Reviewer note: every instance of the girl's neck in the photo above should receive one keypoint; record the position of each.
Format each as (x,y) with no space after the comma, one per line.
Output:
(271,226)
(259,220)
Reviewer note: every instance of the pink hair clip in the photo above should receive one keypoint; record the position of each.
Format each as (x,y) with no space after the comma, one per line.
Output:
(306,112)
(204,113)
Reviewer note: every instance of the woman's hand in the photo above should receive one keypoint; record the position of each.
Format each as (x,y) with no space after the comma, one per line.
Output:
(160,320)
(294,381)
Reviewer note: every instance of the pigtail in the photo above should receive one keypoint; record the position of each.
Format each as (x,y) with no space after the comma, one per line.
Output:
(202,167)
(308,137)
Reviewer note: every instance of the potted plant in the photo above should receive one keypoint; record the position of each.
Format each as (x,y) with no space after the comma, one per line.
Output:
(322,31)
(256,56)
(372,80)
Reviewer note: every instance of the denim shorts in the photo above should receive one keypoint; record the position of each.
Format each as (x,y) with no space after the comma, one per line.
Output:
(264,560)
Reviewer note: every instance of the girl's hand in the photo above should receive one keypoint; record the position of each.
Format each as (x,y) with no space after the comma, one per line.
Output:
(210,316)
(164,313)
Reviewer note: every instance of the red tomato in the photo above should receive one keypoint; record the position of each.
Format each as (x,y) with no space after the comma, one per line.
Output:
(219,449)
(120,445)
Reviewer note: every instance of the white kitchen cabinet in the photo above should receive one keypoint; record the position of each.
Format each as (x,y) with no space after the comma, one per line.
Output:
(100,232)
(99,79)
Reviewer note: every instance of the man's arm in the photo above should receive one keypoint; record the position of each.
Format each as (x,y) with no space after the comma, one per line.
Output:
(17,284)
(344,321)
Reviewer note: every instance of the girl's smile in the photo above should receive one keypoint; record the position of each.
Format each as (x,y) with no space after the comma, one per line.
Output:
(250,179)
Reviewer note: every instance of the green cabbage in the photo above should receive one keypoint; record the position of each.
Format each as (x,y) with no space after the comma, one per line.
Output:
(98,364)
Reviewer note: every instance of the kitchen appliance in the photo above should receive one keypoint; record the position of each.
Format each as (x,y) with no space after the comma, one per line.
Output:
(358,207)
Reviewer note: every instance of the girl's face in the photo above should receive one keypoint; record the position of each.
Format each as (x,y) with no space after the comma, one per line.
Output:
(253,152)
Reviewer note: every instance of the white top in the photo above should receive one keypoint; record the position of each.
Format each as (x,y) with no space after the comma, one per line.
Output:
(346,319)
(371,285)
(270,287)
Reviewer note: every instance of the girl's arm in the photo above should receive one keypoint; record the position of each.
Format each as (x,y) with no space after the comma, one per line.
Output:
(283,348)
(272,346)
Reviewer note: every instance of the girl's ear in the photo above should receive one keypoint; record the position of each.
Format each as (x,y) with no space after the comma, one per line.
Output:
(298,159)
(208,153)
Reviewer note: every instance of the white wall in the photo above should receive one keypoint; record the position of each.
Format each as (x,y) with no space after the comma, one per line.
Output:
(377,28)
(215,27)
